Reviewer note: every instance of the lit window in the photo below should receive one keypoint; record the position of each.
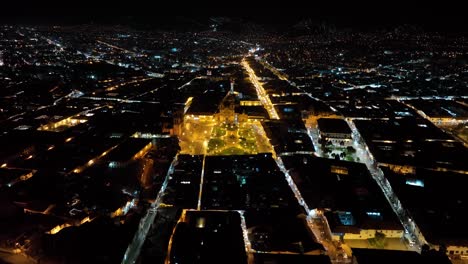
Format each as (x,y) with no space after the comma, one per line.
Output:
(415,182)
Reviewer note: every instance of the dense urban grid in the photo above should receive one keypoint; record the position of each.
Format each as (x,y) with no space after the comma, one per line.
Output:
(316,145)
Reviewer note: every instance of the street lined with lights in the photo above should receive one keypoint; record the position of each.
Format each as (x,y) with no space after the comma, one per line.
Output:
(262,95)
(316,220)
(372,165)
(134,248)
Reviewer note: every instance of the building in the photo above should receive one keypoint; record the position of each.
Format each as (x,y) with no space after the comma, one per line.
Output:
(129,151)
(334,130)
(353,203)
(207,237)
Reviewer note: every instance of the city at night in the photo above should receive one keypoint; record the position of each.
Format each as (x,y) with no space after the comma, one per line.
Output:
(241,134)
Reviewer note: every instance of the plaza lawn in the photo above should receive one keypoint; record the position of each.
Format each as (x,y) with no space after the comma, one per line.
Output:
(218,132)
(246,133)
(232,139)
(215,143)
(248,145)
(233,151)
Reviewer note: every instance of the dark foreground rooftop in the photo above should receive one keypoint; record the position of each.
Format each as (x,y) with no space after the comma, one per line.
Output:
(208,237)
(373,256)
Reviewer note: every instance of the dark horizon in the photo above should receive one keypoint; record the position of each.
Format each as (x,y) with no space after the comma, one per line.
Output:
(429,16)
(451,24)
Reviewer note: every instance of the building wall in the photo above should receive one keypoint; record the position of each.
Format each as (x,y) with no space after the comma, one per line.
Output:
(370,233)
(335,135)
(139,154)
(457,250)
(198,118)
(401,169)
(337,141)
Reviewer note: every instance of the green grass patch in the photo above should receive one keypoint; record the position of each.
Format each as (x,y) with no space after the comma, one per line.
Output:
(215,143)
(249,145)
(218,132)
(246,133)
(233,151)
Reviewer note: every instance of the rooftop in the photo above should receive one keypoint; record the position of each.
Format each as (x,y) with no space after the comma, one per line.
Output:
(333,125)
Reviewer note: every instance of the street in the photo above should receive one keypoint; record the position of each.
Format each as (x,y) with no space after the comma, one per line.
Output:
(366,156)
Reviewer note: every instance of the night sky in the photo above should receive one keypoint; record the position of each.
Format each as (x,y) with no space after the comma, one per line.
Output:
(446,15)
